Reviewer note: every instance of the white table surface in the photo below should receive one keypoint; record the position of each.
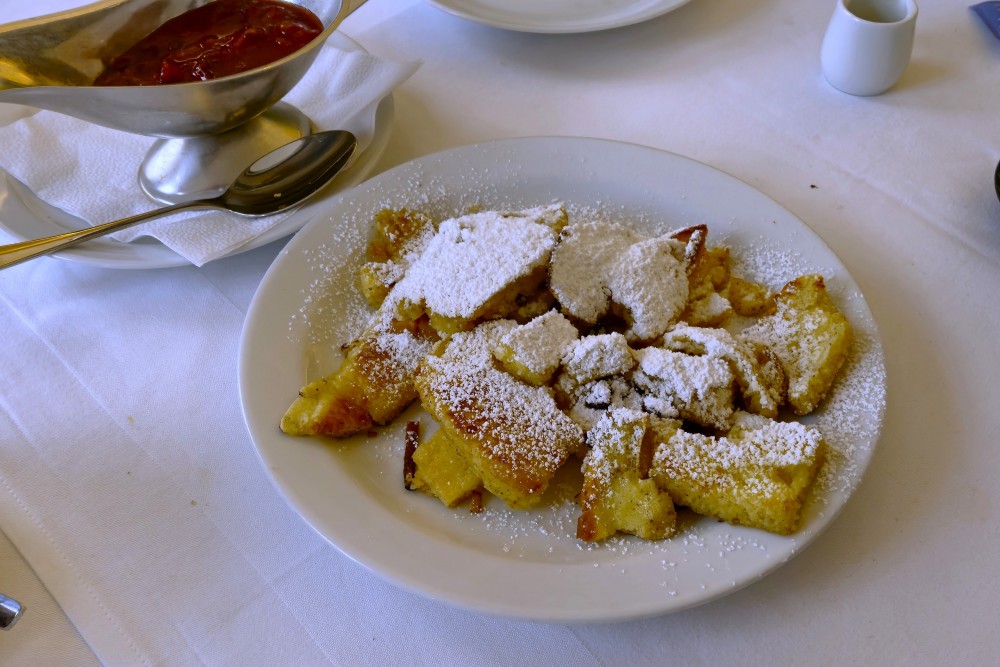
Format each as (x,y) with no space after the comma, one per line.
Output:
(899,185)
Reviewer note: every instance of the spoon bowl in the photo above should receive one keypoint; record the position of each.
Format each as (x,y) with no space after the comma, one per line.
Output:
(288,175)
(282,179)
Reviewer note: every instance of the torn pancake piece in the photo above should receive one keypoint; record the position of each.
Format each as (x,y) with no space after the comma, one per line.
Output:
(580,264)
(398,238)
(532,351)
(480,266)
(761,392)
(617,494)
(756,475)
(694,387)
(648,287)
(373,385)
(602,267)
(512,434)
(443,471)
(598,356)
(810,337)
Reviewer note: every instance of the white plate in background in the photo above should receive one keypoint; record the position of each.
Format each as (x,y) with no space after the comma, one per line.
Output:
(558,16)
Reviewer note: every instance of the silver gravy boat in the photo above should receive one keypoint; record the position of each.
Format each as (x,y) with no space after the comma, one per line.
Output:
(50,63)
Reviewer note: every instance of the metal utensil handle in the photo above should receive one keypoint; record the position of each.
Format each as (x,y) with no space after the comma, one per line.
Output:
(15,253)
(10,611)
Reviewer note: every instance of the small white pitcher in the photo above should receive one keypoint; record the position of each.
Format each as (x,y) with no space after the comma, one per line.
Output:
(868,44)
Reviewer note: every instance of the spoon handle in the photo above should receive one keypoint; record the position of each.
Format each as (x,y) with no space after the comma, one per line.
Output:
(15,253)
(10,611)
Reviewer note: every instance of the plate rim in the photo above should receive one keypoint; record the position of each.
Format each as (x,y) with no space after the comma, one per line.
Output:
(564,27)
(405,580)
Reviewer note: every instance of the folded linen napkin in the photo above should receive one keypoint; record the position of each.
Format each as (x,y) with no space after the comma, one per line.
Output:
(91,171)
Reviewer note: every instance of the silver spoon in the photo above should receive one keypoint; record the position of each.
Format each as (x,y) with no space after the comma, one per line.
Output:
(283,178)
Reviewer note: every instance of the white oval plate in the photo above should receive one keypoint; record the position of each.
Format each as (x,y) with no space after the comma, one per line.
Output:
(558,16)
(23,216)
(529,564)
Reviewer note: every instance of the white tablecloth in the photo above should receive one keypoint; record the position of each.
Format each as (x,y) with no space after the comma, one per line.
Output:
(167,544)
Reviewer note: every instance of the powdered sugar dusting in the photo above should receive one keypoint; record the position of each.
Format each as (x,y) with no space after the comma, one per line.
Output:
(614,442)
(598,356)
(651,285)
(581,264)
(851,416)
(515,424)
(744,461)
(698,388)
(540,344)
(704,552)
(482,252)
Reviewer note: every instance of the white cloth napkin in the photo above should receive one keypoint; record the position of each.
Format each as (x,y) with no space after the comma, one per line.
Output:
(91,171)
